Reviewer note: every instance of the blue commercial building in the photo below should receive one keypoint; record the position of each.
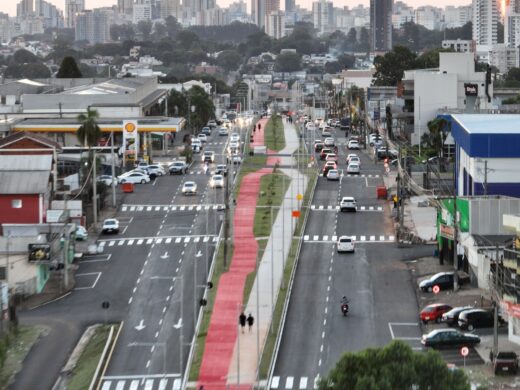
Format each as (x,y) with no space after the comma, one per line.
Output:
(487,153)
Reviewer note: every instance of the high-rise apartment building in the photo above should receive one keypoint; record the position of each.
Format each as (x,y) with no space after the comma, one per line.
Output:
(323,15)
(381,25)
(428,17)
(485,22)
(170,8)
(52,16)
(142,10)
(24,9)
(275,24)
(512,24)
(289,5)
(258,12)
(72,7)
(92,26)
(457,16)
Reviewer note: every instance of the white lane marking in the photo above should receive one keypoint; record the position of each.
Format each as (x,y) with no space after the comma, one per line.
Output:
(275,382)
(140,242)
(305,238)
(289,382)
(134,385)
(148,384)
(106,385)
(162,384)
(372,238)
(177,384)
(316,238)
(381,238)
(120,385)
(303,382)
(130,242)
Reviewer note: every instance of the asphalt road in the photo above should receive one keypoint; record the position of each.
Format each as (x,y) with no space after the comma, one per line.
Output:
(383,305)
(153,274)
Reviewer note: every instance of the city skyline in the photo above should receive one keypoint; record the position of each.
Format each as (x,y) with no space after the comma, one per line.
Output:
(10,6)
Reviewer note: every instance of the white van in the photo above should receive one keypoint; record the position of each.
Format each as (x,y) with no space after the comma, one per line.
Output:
(345,244)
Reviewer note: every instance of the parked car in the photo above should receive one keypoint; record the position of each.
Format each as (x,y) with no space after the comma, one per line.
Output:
(353,144)
(383,153)
(143,165)
(345,244)
(156,169)
(189,188)
(451,317)
(178,167)
(81,233)
(217,181)
(505,362)
(135,178)
(434,312)
(333,174)
(110,225)
(208,156)
(353,168)
(449,337)
(223,131)
(442,279)
(476,318)
(106,180)
(221,169)
(347,203)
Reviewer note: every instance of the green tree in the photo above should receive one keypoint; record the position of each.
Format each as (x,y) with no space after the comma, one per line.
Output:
(288,62)
(350,42)
(69,69)
(390,67)
(145,28)
(430,58)
(201,102)
(159,31)
(27,71)
(394,366)
(89,131)
(364,40)
(172,26)
(436,136)
(23,56)
(229,60)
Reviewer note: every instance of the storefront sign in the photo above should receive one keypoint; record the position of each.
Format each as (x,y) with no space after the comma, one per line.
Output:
(39,252)
(447,232)
(471,89)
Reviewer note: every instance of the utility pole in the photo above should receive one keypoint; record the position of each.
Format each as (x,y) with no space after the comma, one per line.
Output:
(495,306)
(113,172)
(485,178)
(94,190)
(226,215)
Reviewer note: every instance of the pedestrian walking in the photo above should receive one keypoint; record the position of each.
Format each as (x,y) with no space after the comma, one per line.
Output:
(250,321)
(242,321)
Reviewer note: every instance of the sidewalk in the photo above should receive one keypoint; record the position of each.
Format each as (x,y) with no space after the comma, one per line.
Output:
(223,328)
(264,293)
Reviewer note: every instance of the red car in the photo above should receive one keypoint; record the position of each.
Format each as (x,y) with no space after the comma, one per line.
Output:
(434,312)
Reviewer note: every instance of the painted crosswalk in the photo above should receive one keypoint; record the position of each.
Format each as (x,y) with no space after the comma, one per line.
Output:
(144,383)
(293,382)
(357,238)
(356,175)
(336,208)
(165,207)
(157,240)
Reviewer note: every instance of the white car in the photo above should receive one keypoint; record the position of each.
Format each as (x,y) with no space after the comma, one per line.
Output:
(110,225)
(196,142)
(189,188)
(333,174)
(223,131)
(235,137)
(156,169)
(351,155)
(106,180)
(347,203)
(329,141)
(217,181)
(81,233)
(353,168)
(354,159)
(208,156)
(202,137)
(143,165)
(134,177)
(353,144)
(233,145)
(345,244)
(236,159)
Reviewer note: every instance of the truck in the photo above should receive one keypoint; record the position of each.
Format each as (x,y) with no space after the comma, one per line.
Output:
(344,124)
(506,362)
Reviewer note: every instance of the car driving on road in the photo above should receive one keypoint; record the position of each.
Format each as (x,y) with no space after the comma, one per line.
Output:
(189,188)
(134,177)
(110,225)
(217,181)
(333,175)
(178,167)
(347,203)
(345,244)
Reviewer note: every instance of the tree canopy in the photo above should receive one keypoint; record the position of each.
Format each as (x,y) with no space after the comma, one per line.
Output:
(69,69)
(288,62)
(394,366)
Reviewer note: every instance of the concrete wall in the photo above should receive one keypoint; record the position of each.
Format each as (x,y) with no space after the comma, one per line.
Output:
(486,215)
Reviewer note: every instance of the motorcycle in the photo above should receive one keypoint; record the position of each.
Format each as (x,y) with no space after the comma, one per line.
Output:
(344,309)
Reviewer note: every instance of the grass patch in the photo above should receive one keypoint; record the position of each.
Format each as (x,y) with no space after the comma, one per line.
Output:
(208,310)
(18,344)
(85,368)
(274,137)
(272,191)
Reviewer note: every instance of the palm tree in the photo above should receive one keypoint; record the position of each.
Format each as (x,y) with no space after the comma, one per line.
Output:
(88,134)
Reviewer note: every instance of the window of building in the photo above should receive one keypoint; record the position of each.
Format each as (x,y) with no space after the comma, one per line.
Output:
(3,273)
(3,100)
(16,203)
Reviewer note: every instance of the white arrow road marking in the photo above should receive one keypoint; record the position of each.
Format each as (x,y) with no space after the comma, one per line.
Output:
(141,326)
(199,254)
(178,325)
(165,256)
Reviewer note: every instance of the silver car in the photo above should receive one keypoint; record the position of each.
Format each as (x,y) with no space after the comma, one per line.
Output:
(189,188)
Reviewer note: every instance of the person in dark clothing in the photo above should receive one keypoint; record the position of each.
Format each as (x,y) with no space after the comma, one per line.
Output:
(242,321)
(250,321)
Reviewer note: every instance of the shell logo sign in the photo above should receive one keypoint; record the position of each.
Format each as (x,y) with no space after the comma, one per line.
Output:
(130,127)
(130,139)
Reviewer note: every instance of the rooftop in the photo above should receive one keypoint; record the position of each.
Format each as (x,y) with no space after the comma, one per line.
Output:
(22,174)
(489,123)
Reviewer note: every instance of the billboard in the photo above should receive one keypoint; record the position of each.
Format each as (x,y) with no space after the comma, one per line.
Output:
(39,252)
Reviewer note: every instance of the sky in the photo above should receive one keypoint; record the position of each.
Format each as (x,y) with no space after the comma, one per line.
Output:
(9,6)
